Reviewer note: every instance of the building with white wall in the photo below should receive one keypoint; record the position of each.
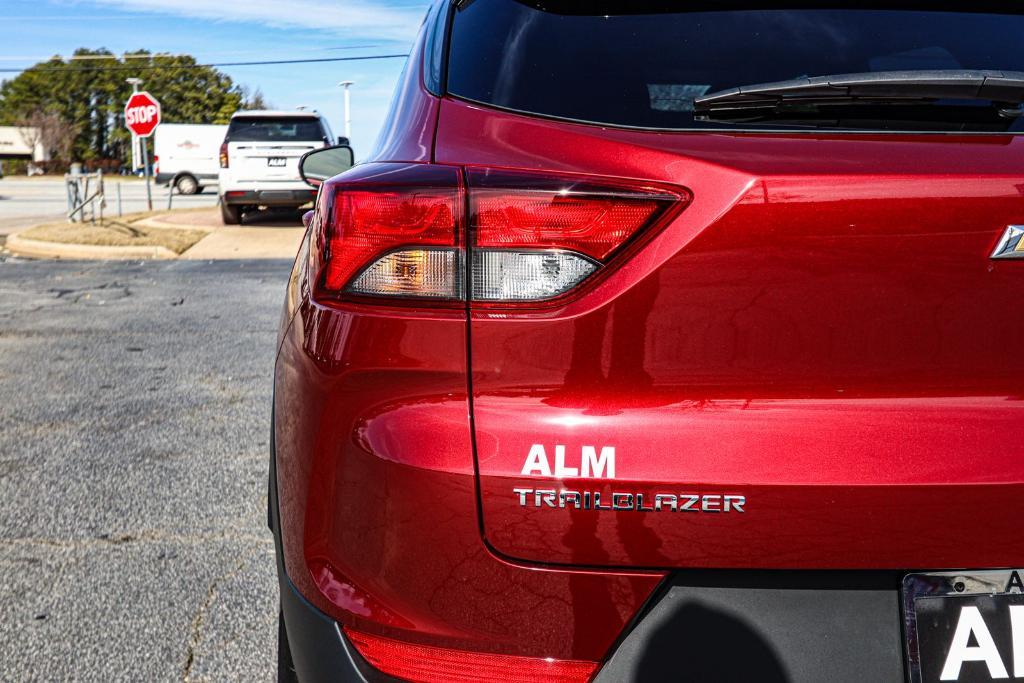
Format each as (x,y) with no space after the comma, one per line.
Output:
(21,143)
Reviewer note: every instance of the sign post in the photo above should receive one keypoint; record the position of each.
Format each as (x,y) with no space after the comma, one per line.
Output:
(142,116)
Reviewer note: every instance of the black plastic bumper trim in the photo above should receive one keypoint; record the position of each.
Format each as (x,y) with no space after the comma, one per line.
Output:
(320,651)
(769,626)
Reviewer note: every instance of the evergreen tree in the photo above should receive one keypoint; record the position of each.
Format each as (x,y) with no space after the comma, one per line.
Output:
(89,95)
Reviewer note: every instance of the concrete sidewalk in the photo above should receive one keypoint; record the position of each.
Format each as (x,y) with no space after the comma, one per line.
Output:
(272,236)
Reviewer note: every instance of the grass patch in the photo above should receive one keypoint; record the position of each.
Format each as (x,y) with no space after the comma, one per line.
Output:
(116,232)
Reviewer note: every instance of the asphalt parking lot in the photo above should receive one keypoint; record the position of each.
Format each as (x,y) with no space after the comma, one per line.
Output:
(133,462)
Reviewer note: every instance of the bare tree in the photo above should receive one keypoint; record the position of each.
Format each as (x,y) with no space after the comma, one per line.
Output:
(31,136)
(49,129)
(254,100)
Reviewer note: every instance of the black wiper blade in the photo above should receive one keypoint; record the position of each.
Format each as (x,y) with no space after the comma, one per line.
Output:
(1004,87)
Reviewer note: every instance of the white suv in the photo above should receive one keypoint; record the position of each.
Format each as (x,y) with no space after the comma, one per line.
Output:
(259,160)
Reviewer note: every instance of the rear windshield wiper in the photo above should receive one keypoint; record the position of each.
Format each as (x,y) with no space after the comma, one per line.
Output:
(1002,88)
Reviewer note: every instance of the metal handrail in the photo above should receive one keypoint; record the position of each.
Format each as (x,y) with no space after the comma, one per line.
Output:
(80,199)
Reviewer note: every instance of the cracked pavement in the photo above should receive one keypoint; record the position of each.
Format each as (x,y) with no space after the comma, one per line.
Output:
(133,470)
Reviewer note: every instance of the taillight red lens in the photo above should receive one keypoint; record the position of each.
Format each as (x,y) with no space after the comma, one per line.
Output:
(424,664)
(401,231)
(370,223)
(415,210)
(224,161)
(595,227)
(533,211)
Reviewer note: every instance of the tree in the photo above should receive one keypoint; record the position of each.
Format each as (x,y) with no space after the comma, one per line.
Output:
(46,128)
(254,100)
(88,95)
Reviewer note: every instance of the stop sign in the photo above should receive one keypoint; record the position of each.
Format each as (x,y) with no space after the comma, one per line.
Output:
(142,114)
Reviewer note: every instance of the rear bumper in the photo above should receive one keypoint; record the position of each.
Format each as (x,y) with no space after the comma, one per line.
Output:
(709,632)
(721,626)
(320,651)
(293,197)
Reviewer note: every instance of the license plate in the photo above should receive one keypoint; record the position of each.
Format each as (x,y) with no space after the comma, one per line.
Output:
(277,161)
(964,626)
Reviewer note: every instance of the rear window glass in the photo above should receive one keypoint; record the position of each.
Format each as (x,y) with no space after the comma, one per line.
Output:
(645,69)
(270,129)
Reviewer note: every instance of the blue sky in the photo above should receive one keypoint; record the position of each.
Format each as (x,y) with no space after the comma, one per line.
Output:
(237,30)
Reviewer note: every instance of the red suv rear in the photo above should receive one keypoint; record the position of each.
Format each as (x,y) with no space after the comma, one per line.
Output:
(665,345)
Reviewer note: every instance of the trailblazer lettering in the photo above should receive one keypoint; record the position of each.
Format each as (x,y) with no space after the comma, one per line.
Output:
(629,501)
(592,464)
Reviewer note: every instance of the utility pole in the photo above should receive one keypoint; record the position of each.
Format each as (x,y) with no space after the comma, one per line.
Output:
(135,83)
(348,108)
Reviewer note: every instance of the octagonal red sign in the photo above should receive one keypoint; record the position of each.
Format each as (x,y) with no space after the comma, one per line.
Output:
(142,114)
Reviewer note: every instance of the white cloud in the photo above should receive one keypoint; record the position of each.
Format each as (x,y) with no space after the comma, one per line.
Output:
(355,18)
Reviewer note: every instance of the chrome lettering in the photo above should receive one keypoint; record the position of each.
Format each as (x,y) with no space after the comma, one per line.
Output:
(622,501)
(735,503)
(629,501)
(662,499)
(569,498)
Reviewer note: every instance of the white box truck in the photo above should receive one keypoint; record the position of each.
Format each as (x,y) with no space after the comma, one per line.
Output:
(186,155)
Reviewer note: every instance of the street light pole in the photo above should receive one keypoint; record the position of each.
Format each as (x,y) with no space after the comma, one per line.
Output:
(135,83)
(348,108)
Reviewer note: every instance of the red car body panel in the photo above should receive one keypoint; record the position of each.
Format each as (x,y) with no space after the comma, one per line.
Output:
(821,331)
(408,132)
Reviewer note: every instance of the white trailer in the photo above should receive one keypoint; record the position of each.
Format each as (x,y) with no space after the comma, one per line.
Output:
(187,155)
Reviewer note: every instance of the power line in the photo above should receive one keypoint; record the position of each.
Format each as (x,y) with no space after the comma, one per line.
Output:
(150,55)
(151,67)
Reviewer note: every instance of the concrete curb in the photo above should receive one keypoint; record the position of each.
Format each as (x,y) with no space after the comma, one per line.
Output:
(39,249)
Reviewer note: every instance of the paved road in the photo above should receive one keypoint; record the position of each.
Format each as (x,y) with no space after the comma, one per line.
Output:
(30,201)
(133,458)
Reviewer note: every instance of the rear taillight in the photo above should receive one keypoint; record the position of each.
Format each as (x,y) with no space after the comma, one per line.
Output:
(424,664)
(224,161)
(395,231)
(403,231)
(156,165)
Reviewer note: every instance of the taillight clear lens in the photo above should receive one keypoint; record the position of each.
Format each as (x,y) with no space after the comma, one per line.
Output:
(500,275)
(432,273)
(401,231)
(425,664)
